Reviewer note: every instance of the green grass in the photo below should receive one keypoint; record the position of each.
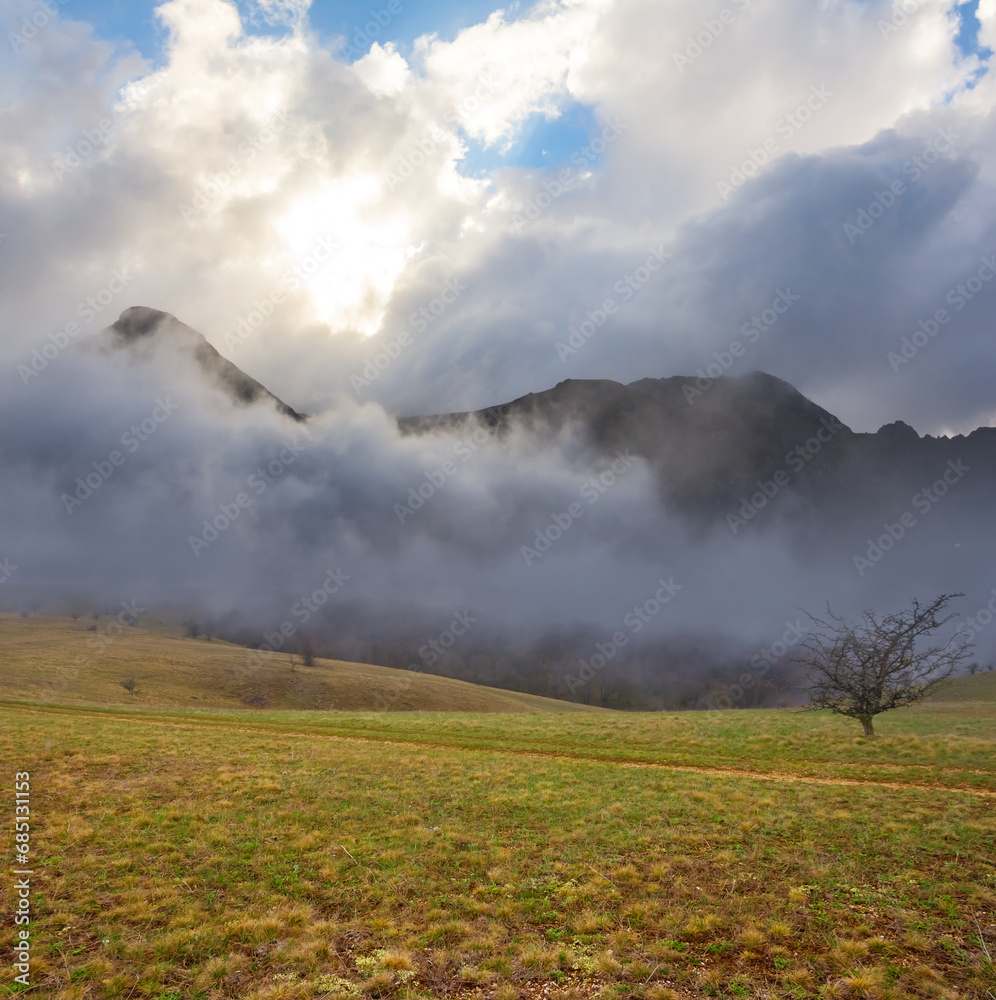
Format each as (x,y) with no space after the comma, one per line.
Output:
(250,855)
(943,745)
(192,849)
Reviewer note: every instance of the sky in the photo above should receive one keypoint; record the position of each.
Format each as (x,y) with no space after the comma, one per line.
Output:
(412,207)
(421,139)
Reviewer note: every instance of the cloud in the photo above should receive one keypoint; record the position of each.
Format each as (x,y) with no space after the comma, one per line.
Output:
(311,216)
(228,164)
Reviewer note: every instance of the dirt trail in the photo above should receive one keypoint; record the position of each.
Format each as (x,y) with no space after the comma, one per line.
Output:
(219,723)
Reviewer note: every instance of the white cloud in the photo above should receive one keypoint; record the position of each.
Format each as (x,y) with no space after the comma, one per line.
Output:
(293,13)
(240,153)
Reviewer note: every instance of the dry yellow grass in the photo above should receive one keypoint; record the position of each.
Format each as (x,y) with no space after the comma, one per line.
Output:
(249,854)
(209,856)
(58,660)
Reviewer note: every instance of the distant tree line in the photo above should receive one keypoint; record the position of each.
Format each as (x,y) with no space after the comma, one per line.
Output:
(665,676)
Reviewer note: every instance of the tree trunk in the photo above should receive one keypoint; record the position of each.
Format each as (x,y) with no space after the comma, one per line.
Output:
(866,721)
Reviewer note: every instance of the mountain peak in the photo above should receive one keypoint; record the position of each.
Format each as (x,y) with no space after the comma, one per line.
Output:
(898,433)
(139,321)
(140,325)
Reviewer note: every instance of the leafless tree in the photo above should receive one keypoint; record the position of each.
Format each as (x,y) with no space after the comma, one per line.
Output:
(306,650)
(191,628)
(129,685)
(879,662)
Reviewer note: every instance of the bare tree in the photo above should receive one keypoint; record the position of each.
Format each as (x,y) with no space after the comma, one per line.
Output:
(306,650)
(129,685)
(879,662)
(191,628)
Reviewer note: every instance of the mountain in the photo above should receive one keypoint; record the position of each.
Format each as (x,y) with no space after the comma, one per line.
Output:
(822,503)
(721,449)
(142,329)
(725,448)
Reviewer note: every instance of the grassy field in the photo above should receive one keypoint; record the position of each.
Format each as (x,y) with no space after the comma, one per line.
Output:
(191,847)
(302,854)
(46,658)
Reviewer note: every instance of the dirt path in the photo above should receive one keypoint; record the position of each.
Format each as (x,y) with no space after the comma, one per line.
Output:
(189,723)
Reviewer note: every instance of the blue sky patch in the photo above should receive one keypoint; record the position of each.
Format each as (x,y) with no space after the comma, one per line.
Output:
(134,21)
(542,142)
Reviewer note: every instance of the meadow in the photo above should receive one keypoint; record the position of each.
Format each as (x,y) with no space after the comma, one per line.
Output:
(87,661)
(261,853)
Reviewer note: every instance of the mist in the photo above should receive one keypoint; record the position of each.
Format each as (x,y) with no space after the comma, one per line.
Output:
(515,559)
(415,229)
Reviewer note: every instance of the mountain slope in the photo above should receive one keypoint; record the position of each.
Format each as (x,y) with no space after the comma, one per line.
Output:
(140,329)
(714,445)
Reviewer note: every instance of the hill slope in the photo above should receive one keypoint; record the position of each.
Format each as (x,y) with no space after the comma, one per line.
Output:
(51,659)
(978,688)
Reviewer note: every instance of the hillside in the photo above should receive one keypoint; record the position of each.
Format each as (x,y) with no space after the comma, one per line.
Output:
(56,659)
(966,690)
